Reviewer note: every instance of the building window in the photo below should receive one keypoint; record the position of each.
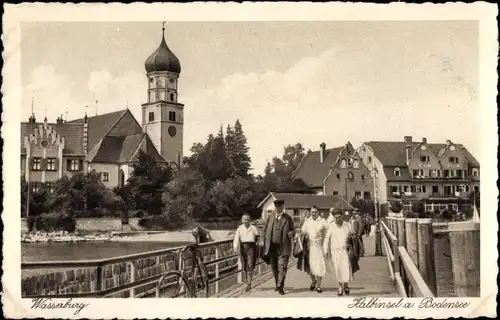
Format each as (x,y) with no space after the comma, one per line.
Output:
(171,116)
(418,173)
(50,187)
(335,193)
(367,195)
(162,95)
(172,97)
(338,176)
(104,176)
(36,186)
(343,163)
(406,188)
(36,164)
(435,189)
(362,177)
(51,164)
(369,159)
(425,159)
(357,194)
(151,116)
(420,188)
(397,172)
(355,164)
(475,172)
(434,173)
(447,173)
(74,165)
(350,176)
(394,189)
(453,159)
(461,173)
(462,188)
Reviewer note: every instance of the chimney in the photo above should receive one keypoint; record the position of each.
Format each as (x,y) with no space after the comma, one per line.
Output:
(407,154)
(424,140)
(408,139)
(32,119)
(448,142)
(85,134)
(59,120)
(322,152)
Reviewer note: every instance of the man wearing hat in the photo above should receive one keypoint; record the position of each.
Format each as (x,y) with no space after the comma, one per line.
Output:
(279,232)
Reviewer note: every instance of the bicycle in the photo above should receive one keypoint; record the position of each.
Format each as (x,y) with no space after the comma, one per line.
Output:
(187,286)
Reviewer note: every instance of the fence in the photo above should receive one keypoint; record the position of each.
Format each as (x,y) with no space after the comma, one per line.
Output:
(130,276)
(415,261)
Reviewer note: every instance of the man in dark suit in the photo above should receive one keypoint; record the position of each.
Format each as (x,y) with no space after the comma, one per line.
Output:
(279,232)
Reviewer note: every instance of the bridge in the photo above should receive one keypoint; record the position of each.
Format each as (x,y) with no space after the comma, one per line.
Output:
(408,267)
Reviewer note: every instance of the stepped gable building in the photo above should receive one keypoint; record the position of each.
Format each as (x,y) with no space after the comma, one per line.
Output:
(110,143)
(336,172)
(442,173)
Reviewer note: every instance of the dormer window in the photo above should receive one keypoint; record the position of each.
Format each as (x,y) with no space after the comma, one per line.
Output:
(453,160)
(475,172)
(425,159)
(397,172)
(343,163)
(350,176)
(355,164)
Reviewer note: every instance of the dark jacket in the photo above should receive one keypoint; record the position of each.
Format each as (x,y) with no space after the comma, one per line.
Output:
(303,256)
(287,231)
(354,249)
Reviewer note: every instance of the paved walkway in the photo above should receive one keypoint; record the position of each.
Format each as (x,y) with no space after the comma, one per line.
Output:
(372,280)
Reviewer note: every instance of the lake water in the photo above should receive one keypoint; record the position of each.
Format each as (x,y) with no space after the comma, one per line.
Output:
(35,252)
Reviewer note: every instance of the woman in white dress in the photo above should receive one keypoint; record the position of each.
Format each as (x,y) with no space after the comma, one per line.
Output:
(335,250)
(314,229)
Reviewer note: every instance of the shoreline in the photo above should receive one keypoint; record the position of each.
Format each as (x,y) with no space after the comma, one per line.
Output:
(139,236)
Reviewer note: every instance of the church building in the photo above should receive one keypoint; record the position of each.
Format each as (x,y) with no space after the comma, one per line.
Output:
(110,143)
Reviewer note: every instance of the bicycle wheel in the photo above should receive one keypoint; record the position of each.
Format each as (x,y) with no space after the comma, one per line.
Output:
(200,284)
(174,285)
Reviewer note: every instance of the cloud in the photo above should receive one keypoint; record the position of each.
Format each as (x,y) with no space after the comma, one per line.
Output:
(335,97)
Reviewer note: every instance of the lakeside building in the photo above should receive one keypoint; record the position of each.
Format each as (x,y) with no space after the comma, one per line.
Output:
(394,171)
(110,143)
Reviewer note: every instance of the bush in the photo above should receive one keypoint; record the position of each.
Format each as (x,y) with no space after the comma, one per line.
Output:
(396,207)
(31,223)
(49,222)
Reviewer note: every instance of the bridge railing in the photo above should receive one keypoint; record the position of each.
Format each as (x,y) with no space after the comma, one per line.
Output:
(417,258)
(129,276)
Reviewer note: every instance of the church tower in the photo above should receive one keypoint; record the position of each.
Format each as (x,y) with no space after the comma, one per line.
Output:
(162,114)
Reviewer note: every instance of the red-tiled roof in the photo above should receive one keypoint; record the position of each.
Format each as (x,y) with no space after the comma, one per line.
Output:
(100,125)
(72,133)
(312,171)
(303,201)
(393,153)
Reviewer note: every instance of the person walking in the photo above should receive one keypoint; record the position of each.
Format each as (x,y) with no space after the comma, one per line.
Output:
(335,249)
(277,244)
(244,243)
(314,230)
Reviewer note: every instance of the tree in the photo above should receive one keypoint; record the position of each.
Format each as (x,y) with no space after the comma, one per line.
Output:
(231,197)
(396,206)
(144,188)
(237,149)
(39,201)
(184,197)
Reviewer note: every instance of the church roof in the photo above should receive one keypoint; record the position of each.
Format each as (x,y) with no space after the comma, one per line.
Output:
(163,59)
(121,149)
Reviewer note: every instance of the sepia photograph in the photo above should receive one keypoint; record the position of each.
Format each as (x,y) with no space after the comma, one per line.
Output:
(172,158)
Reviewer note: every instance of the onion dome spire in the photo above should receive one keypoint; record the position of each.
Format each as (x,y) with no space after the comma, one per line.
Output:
(163,59)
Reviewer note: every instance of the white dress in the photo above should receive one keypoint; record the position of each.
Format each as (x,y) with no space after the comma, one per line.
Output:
(315,230)
(335,250)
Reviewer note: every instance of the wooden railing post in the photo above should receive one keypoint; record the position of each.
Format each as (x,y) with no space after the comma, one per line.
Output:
(100,278)
(395,252)
(412,240)
(240,266)
(426,261)
(465,258)
(216,284)
(132,277)
(401,232)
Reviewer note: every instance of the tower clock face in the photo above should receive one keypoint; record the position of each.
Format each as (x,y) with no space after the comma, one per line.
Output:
(44,143)
(172,131)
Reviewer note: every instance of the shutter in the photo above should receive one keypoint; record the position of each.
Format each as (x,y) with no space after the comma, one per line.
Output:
(68,165)
(56,164)
(80,165)
(30,164)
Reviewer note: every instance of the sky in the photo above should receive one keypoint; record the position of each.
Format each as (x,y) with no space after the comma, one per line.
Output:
(287,82)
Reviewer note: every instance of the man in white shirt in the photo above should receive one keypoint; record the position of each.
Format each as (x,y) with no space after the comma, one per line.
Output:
(245,240)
